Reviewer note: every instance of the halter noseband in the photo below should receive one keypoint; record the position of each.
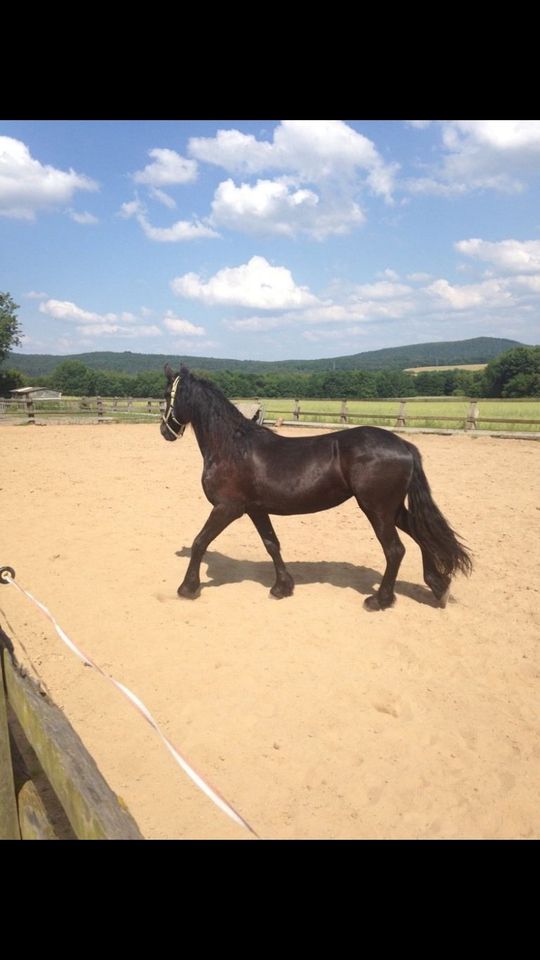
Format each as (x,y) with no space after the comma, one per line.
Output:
(170,413)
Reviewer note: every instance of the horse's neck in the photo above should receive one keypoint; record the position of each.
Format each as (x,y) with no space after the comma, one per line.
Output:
(211,431)
(202,435)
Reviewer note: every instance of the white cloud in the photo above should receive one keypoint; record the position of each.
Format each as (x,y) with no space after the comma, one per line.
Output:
(67,310)
(321,167)
(315,150)
(483,154)
(419,124)
(177,325)
(349,311)
(382,290)
(163,197)
(181,230)
(131,209)
(84,218)
(167,168)
(514,256)
(419,277)
(490,292)
(234,151)
(254,284)
(35,295)
(512,136)
(527,282)
(498,305)
(28,186)
(92,324)
(117,330)
(433,187)
(279,207)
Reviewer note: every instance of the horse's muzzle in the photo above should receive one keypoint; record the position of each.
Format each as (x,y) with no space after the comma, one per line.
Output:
(168,432)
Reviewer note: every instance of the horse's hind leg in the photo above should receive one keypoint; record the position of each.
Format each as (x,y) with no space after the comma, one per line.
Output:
(382,521)
(437,582)
(284,584)
(222,515)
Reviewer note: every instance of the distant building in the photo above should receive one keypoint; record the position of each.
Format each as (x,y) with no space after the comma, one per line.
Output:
(36,393)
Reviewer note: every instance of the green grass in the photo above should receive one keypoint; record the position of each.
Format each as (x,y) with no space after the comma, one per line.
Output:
(428,409)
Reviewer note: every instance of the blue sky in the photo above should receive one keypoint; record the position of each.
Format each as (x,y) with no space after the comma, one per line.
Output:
(269,239)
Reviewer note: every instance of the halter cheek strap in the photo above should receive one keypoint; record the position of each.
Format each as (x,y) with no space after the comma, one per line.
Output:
(170,414)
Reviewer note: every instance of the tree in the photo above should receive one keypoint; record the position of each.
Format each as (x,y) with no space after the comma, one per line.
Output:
(10,380)
(73,378)
(10,329)
(513,374)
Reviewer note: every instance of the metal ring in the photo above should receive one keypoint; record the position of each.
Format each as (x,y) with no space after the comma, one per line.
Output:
(6,574)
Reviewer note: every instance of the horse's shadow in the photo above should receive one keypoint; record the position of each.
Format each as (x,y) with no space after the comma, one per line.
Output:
(223,569)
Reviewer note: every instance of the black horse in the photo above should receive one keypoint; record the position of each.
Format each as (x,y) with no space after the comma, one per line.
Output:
(249,469)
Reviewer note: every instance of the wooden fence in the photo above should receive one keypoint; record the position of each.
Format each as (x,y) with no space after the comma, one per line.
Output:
(46,773)
(77,409)
(119,409)
(400,418)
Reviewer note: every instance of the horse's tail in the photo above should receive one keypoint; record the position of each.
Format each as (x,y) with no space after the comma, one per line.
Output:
(430,528)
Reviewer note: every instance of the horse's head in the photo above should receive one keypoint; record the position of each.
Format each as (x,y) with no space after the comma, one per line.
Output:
(176,416)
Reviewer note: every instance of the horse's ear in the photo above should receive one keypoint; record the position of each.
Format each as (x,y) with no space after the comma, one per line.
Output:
(169,372)
(184,372)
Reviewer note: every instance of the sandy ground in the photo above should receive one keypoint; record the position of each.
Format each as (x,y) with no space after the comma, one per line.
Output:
(315,718)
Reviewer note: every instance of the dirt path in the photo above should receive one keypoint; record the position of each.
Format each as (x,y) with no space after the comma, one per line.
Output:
(314,717)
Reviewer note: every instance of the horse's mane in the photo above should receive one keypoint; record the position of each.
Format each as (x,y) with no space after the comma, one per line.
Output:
(216,414)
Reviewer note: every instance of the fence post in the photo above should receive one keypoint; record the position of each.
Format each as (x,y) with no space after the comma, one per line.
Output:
(30,409)
(99,409)
(129,402)
(472,415)
(296,410)
(149,405)
(9,821)
(344,412)
(115,403)
(401,415)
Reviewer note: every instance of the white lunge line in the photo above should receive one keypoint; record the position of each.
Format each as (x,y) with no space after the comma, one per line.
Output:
(197,779)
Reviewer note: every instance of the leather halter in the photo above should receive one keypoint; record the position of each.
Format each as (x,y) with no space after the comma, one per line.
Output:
(170,414)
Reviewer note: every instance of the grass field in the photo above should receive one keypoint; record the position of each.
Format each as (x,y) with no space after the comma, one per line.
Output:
(454,366)
(428,410)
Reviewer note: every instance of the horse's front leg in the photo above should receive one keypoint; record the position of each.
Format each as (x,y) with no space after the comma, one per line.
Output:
(222,515)
(284,584)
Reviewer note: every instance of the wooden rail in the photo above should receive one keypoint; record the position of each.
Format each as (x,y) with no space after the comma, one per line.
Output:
(115,409)
(96,409)
(400,416)
(93,810)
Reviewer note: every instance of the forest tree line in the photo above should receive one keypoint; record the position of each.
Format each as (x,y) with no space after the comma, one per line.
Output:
(515,373)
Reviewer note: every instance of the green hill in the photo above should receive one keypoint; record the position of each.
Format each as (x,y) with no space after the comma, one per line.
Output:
(477,350)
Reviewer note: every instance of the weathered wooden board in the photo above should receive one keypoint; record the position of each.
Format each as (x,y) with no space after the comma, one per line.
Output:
(33,819)
(9,823)
(94,811)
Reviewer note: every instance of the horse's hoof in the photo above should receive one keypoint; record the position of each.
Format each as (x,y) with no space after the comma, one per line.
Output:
(443,599)
(187,593)
(375,603)
(371,604)
(282,590)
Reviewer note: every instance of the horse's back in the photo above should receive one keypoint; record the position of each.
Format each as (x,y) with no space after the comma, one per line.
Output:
(289,475)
